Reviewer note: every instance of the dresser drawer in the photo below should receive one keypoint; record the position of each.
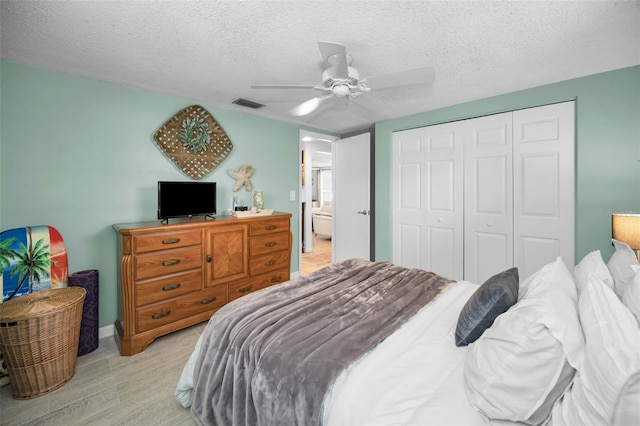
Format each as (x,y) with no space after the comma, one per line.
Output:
(257,283)
(160,314)
(268,243)
(269,262)
(156,290)
(268,226)
(167,262)
(165,240)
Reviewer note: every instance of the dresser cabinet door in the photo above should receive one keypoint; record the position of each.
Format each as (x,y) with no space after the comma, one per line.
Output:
(226,254)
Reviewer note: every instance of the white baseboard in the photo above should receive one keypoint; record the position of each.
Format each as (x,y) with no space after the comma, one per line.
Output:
(106,331)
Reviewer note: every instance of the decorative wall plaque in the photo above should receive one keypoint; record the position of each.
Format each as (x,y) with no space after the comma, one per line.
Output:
(194,141)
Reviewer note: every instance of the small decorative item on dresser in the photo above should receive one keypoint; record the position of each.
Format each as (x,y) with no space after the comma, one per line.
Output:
(258,199)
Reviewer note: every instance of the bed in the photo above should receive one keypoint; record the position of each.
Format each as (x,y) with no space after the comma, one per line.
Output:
(372,343)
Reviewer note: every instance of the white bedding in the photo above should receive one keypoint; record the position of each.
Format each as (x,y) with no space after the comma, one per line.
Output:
(414,377)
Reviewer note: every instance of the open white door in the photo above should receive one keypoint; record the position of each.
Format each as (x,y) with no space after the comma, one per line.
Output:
(351,198)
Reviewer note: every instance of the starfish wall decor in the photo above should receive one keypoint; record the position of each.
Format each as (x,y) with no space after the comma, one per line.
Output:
(242,177)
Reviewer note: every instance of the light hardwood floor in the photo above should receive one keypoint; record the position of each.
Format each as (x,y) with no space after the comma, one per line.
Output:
(108,389)
(309,261)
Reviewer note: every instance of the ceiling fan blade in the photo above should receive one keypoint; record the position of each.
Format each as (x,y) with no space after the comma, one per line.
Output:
(403,78)
(307,107)
(284,86)
(335,54)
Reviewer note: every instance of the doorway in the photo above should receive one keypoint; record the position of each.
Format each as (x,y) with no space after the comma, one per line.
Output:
(348,204)
(316,195)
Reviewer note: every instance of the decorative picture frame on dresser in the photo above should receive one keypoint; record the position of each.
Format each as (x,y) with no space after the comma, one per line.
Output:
(172,276)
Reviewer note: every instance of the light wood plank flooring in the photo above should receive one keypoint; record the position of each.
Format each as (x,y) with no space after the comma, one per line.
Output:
(108,389)
(319,258)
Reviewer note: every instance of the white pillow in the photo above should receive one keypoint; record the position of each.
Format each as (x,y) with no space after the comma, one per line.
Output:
(592,263)
(521,364)
(606,390)
(620,266)
(631,296)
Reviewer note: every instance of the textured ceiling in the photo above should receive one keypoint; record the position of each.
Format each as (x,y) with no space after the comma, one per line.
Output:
(212,51)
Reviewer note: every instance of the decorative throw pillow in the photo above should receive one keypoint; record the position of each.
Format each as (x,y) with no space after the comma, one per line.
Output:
(523,363)
(592,263)
(607,388)
(620,266)
(631,296)
(491,299)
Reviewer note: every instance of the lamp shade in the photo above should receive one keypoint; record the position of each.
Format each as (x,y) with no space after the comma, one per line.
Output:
(626,228)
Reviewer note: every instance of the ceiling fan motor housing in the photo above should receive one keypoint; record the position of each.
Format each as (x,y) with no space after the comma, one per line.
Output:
(341,86)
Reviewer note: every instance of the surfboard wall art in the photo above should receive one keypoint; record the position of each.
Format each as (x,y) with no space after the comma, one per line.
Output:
(32,259)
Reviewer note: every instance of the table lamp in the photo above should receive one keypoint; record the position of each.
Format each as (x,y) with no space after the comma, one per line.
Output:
(626,228)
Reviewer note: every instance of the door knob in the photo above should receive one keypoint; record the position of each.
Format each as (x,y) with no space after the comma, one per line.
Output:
(364,212)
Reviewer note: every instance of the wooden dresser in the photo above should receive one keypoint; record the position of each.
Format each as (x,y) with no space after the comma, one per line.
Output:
(174,275)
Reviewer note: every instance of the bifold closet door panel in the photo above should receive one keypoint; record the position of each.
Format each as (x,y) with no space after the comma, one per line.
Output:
(488,196)
(407,201)
(428,199)
(544,182)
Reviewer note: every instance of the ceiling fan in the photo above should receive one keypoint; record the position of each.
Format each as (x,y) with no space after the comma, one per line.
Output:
(341,80)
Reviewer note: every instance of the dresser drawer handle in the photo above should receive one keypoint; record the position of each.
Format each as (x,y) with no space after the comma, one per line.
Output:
(245,289)
(171,241)
(270,244)
(161,314)
(276,279)
(270,227)
(207,301)
(170,262)
(270,263)
(171,287)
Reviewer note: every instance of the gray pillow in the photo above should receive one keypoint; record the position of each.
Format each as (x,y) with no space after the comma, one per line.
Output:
(491,299)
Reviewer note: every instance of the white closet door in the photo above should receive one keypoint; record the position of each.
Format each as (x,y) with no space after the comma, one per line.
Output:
(444,209)
(428,200)
(544,173)
(488,215)
(408,239)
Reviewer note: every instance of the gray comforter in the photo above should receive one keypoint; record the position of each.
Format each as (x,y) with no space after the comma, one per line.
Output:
(270,357)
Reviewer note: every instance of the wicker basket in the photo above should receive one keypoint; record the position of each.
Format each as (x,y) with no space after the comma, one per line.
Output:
(39,336)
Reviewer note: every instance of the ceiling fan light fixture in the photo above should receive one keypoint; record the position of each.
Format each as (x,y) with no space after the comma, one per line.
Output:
(307,107)
(341,90)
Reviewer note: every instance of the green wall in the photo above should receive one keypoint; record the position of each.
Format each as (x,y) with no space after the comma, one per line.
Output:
(78,154)
(607,150)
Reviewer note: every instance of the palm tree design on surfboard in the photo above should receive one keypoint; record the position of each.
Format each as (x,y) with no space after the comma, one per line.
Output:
(32,259)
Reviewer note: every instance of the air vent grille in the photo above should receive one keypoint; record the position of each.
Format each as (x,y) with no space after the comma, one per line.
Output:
(247,103)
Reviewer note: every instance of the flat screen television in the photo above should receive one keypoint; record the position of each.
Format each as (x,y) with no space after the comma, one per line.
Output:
(186,199)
